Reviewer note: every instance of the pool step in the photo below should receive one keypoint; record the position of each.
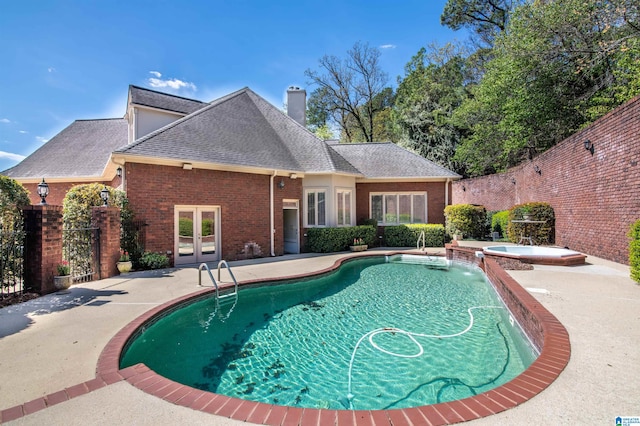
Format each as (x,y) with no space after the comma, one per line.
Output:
(433,262)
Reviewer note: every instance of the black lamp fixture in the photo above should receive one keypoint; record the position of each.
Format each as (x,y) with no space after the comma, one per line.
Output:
(281,184)
(104,194)
(43,191)
(588,145)
(463,188)
(119,172)
(537,170)
(513,180)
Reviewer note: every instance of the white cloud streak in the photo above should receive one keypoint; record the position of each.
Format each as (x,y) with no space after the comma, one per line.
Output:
(5,120)
(388,46)
(172,83)
(41,139)
(24,132)
(11,156)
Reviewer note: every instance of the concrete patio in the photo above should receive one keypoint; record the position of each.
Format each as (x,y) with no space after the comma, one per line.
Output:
(53,343)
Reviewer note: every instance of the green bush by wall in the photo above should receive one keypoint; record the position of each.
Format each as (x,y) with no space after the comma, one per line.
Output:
(634,251)
(467,220)
(540,233)
(500,222)
(407,235)
(329,240)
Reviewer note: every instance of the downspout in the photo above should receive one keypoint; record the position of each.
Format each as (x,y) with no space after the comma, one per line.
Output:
(272,213)
(446,192)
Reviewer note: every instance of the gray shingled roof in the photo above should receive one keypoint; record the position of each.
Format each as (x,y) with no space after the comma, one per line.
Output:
(388,160)
(241,129)
(165,101)
(80,150)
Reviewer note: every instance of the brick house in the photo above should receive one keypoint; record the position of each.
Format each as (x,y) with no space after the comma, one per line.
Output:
(235,177)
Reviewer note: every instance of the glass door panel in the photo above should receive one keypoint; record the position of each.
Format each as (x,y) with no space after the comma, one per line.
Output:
(186,245)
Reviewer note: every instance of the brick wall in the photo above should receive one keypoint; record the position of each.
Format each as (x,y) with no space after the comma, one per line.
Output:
(108,220)
(435,197)
(595,197)
(243,200)
(43,247)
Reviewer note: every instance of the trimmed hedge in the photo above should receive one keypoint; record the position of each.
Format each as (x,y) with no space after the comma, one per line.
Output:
(407,235)
(467,220)
(329,240)
(540,233)
(634,251)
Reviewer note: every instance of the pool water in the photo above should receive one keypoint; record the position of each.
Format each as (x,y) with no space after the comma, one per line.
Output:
(314,343)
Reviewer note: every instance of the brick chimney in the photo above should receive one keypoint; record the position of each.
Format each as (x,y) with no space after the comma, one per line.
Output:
(297,104)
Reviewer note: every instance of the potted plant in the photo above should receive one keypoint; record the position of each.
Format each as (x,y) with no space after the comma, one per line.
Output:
(358,245)
(62,281)
(526,212)
(124,264)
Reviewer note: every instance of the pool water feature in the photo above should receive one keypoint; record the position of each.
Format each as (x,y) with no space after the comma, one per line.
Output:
(443,335)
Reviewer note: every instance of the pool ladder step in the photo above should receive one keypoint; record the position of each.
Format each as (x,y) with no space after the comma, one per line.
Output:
(222,300)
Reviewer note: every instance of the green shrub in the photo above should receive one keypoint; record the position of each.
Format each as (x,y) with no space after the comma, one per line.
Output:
(540,233)
(467,220)
(329,240)
(407,235)
(13,197)
(634,251)
(500,222)
(151,260)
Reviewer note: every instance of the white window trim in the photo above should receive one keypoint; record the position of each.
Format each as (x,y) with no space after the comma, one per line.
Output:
(398,193)
(306,207)
(341,192)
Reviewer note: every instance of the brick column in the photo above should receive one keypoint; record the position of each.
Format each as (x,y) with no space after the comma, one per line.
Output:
(43,247)
(108,220)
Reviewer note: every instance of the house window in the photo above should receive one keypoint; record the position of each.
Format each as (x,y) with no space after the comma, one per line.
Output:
(344,207)
(315,208)
(398,208)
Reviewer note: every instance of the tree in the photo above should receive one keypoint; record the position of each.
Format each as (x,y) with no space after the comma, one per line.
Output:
(556,67)
(346,91)
(434,86)
(486,18)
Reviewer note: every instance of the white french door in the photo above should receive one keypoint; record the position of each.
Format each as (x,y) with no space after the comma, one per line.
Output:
(197,234)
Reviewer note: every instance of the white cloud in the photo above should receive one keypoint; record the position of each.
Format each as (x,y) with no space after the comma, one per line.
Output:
(5,120)
(41,139)
(388,46)
(51,69)
(10,156)
(24,132)
(171,83)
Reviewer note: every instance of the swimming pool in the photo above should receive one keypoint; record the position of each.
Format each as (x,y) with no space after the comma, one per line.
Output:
(379,333)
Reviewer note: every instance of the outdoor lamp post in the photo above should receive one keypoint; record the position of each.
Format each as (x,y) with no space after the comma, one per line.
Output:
(43,191)
(104,194)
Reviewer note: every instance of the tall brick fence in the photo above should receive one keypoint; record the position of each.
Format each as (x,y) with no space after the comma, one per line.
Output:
(596,196)
(43,245)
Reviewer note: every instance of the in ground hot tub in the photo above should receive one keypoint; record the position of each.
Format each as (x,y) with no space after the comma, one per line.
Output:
(538,254)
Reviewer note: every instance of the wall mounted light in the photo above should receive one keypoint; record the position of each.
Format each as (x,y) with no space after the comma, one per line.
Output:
(293,176)
(588,145)
(281,184)
(513,180)
(187,166)
(104,194)
(463,188)
(537,170)
(43,191)
(119,172)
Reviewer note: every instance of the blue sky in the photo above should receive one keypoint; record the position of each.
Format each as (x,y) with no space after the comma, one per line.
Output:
(66,60)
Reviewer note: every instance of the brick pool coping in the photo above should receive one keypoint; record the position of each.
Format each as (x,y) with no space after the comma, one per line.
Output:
(547,333)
